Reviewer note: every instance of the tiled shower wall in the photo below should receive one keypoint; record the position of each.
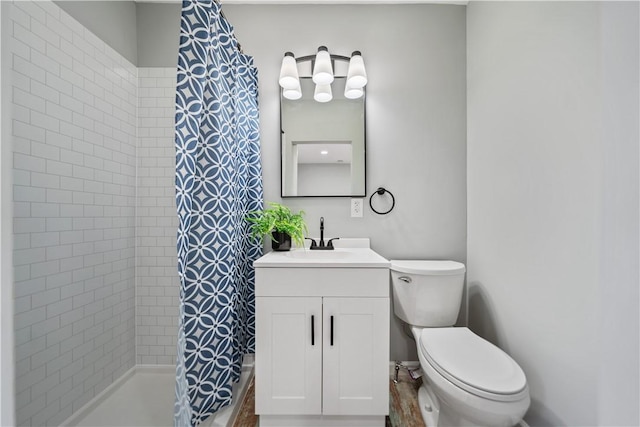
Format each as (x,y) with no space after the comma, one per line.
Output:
(157,275)
(74,136)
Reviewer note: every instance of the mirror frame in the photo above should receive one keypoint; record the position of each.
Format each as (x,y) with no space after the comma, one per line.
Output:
(364,148)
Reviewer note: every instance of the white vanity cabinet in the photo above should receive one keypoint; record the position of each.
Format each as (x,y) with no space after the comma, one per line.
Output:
(289,372)
(355,361)
(322,343)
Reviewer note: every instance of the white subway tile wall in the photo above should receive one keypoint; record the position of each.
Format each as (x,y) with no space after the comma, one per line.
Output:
(157,287)
(74,135)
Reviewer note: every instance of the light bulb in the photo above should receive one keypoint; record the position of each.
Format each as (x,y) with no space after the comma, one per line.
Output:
(353,92)
(357,74)
(323,93)
(289,72)
(293,93)
(322,70)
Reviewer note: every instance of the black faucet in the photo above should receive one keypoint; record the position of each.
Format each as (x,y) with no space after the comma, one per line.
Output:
(321,245)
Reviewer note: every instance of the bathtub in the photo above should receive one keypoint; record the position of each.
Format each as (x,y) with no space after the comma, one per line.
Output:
(144,396)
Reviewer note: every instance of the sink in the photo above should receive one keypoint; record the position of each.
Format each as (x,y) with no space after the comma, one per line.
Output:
(310,255)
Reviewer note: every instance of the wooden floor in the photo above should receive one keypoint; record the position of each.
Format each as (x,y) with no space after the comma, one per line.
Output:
(403,405)
(247,414)
(403,402)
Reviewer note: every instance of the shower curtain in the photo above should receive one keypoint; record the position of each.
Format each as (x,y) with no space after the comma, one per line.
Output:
(218,181)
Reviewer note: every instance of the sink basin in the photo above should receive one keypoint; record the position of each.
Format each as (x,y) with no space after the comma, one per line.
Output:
(311,255)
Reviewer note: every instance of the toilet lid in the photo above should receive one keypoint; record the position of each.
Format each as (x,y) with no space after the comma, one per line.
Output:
(428,267)
(470,362)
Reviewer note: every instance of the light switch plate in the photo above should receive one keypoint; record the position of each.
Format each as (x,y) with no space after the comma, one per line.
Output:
(356,208)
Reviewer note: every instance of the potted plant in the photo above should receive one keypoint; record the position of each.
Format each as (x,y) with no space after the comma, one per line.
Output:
(280,224)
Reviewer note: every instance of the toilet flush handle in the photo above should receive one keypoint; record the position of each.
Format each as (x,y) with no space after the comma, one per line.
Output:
(405,279)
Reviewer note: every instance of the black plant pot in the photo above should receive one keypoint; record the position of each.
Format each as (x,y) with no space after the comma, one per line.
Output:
(281,241)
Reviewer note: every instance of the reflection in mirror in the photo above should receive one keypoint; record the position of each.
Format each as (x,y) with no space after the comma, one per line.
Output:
(323,144)
(324,168)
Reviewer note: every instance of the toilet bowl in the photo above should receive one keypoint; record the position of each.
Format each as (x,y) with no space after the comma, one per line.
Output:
(467,380)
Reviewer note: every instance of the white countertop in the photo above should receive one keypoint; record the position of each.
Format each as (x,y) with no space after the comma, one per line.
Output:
(337,258)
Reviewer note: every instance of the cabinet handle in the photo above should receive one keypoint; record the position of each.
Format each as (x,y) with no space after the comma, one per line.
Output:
(331,330)
(313,339)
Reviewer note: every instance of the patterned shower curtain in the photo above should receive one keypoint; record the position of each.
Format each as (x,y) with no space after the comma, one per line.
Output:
(218,181)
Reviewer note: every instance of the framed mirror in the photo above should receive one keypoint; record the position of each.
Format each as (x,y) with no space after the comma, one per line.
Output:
(323,149)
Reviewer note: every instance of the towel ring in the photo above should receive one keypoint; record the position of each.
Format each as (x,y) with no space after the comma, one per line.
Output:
(380,191)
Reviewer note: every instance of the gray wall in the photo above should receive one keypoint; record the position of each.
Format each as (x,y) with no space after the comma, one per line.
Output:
(619,367)
(113,21)
(416,113)
(324,178)
(553,201)
(158,34)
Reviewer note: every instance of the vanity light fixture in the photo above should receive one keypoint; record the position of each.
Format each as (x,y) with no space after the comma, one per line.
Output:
(322,75)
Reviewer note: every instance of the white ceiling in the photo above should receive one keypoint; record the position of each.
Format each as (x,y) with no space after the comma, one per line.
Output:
(460,2)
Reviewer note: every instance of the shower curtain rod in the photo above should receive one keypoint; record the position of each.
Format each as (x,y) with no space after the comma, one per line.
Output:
(219,3)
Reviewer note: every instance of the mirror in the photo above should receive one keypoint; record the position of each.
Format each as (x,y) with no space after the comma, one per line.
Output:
(323,144)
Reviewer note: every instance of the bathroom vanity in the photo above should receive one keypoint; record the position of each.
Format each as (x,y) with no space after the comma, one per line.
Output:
(322,337)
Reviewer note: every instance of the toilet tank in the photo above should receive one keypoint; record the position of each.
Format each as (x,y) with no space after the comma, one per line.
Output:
(427,293)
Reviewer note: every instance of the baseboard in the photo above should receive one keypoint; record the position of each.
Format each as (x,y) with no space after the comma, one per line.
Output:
(322,420)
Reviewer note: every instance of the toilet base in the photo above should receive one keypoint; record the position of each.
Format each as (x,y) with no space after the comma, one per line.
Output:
(436,412)
(436,415)
(429,406)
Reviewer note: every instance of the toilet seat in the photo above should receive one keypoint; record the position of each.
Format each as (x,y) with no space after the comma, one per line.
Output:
(472,363)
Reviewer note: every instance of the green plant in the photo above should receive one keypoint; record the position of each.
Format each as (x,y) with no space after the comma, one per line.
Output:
(277,218)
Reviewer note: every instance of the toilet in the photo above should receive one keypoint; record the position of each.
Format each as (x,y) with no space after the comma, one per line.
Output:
(467,380)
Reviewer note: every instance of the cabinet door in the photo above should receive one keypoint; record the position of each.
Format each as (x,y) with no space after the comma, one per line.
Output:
(288,363)
(356,356)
